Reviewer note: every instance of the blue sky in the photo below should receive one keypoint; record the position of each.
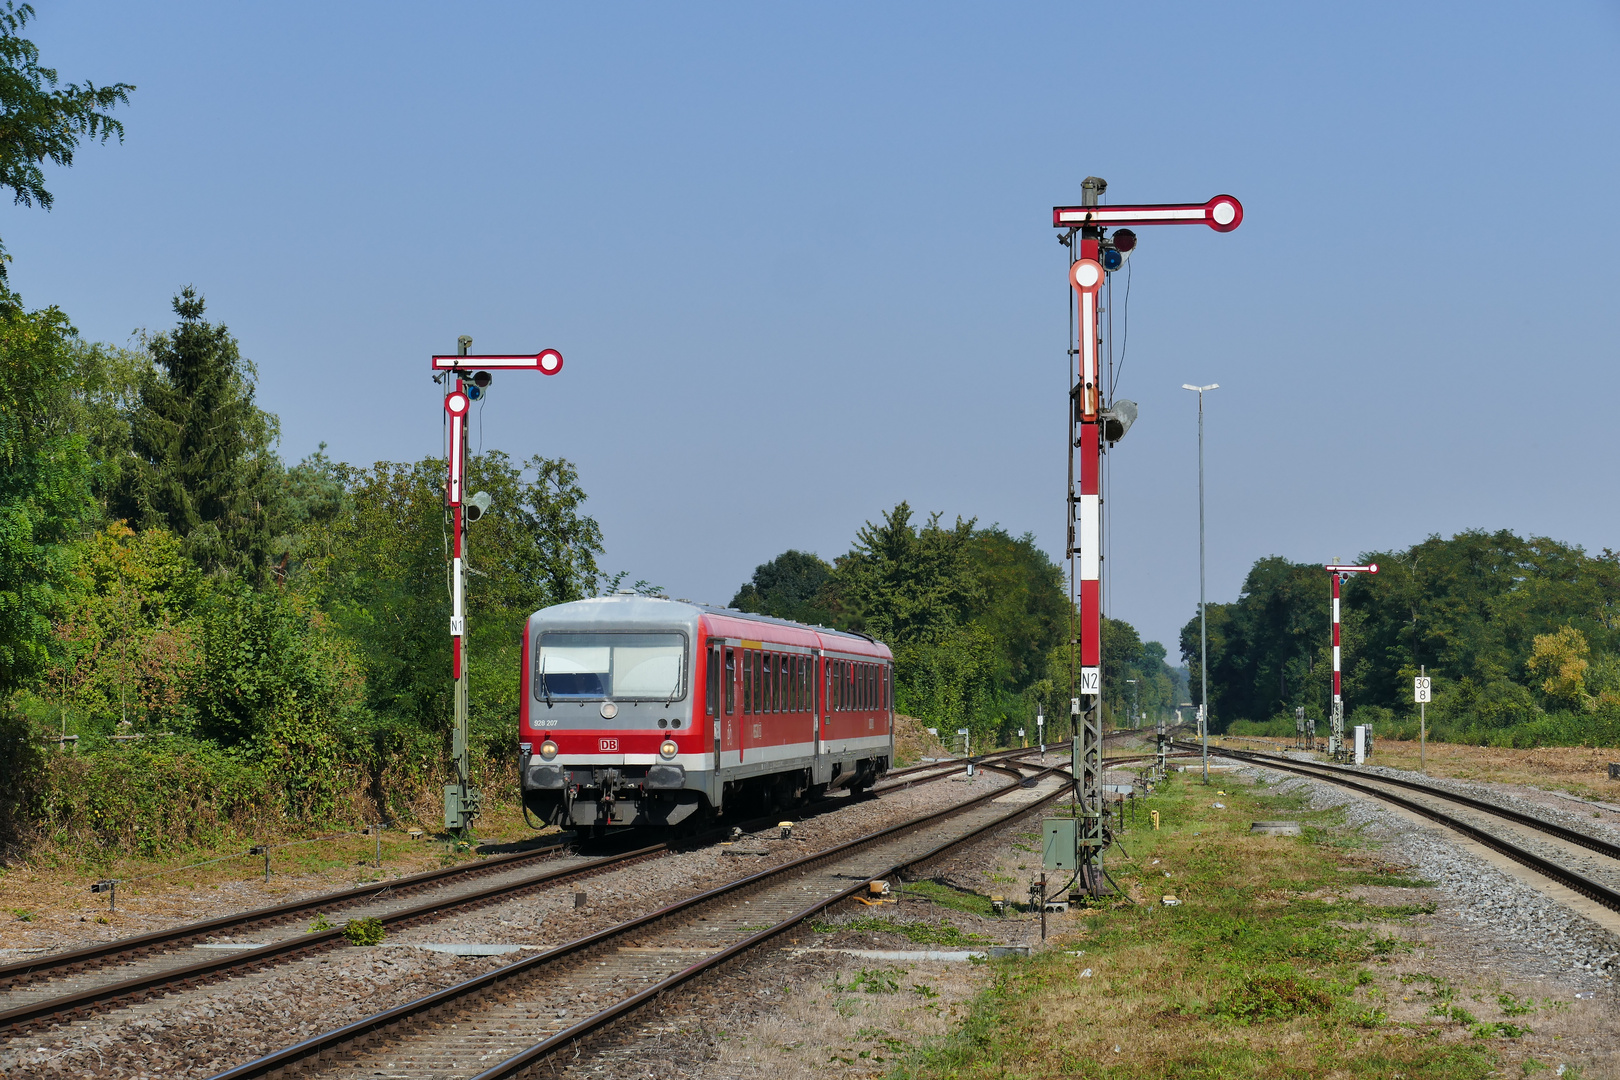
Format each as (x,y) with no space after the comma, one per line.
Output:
(800,263)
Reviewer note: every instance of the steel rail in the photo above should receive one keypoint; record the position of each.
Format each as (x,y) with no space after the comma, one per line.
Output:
(1588,888)
(84,1001)
(374,1027)
(1562,832)
(143,985)
(142,943)
(520,1063)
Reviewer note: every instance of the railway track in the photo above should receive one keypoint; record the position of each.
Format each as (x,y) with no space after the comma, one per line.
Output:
(71,984)
(511,1020)
(1556,852)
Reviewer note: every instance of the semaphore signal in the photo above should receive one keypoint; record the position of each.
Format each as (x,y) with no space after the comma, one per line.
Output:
(467,379)
(1093,423)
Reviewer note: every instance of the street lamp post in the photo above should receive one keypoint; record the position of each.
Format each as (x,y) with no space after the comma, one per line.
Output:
(1203,618)
(1134,709)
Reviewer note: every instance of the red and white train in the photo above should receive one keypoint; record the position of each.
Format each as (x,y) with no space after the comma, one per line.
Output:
(639,711)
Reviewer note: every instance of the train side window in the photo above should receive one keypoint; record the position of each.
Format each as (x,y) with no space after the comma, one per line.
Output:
(883,687)
(798,684)
(748,681)
(871,686)
(711,688)
(773,682)
(838,685)
(779,685)
(849,685)
(731,681)
(866,687)
(859,675)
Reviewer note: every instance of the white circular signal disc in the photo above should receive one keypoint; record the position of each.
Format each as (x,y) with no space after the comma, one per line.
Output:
(1086,275)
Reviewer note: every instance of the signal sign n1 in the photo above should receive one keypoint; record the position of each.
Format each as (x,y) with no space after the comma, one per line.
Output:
(1422,690)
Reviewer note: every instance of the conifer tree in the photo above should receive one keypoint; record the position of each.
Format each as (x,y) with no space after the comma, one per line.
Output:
(202,462)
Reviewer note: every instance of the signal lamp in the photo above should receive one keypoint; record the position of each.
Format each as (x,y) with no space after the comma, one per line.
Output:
(482,379)
(668,748)
(476,393)
(1124,240)
(478,505)
(1112,260)
(548,749)
(1118,418)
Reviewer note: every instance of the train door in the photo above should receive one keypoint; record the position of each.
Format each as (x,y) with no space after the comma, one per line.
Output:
(824,719)
(714,691)
(729,723)
(818,766)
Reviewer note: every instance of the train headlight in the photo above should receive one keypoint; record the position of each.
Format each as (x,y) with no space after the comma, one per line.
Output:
(548,749)
(668,749)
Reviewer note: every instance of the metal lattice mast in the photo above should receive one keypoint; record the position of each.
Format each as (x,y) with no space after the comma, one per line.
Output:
(1085,530)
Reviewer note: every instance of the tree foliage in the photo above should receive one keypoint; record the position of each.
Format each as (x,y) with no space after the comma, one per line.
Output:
(1507,626)
(789,587)
(41,122)
(44,482)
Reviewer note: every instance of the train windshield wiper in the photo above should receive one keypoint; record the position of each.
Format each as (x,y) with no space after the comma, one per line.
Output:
(544,689)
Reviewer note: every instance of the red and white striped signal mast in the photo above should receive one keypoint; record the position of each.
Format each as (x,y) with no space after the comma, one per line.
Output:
(466,379)
(1092,423)
(1336,717)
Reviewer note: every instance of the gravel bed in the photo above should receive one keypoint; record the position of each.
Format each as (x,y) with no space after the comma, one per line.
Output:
(200,1031)
(1519,926)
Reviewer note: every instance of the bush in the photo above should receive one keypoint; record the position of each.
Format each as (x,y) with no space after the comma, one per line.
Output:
(1278,727)
(155,797)
(367,931)
(22,779)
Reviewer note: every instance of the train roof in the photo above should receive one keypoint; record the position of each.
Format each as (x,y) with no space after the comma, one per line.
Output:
(656,609)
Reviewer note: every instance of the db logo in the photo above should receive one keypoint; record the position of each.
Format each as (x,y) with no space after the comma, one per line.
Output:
(609,745)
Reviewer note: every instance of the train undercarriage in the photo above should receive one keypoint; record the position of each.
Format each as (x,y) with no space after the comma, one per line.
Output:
(657,796)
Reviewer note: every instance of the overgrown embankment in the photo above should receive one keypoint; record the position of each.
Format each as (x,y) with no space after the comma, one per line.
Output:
(1279,959)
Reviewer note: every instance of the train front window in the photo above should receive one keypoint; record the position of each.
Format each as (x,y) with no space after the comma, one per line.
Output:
(604,665)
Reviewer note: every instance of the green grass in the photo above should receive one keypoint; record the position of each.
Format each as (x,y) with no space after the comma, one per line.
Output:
(948,897)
